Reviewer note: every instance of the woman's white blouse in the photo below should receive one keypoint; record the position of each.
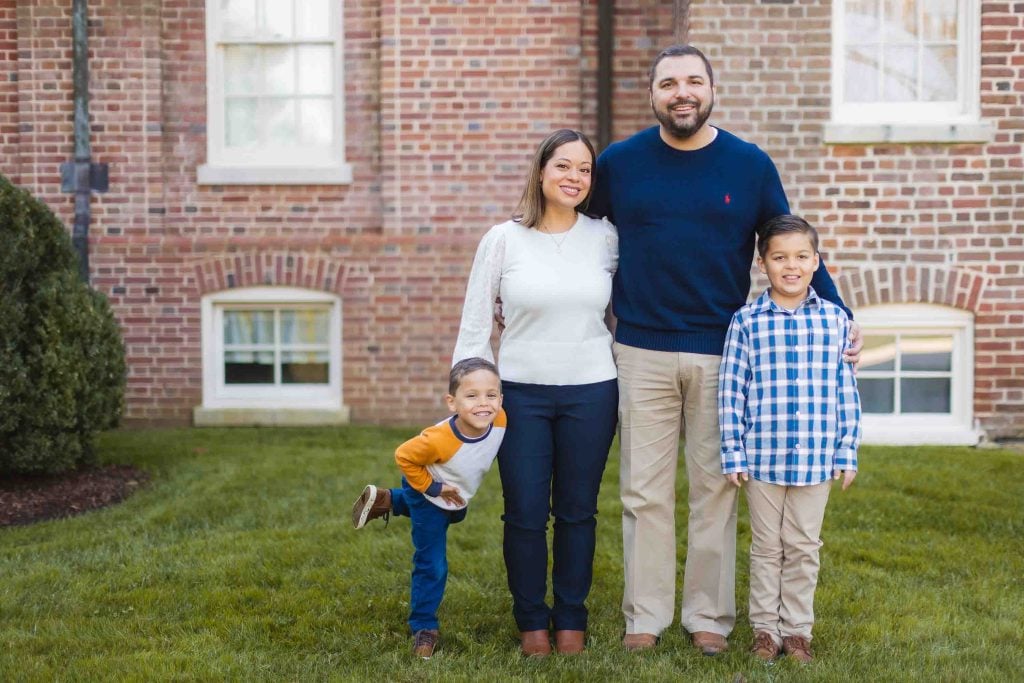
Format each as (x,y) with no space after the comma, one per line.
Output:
(554,291)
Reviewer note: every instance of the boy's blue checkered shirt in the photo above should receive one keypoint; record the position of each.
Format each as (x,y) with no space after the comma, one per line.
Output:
(787,401)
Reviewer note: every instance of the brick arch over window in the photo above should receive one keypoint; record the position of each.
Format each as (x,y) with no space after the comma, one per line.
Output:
(912,284)
(254,269)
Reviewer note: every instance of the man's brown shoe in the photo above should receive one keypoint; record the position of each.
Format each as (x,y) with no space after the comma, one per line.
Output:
(710,644)
(371,504)
(799,648)
(569,642)
(639,641)
(764,646)
(535,643)
(423,642)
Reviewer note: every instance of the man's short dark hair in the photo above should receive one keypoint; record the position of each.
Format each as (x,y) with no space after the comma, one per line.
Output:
(781,225)
(466,366)
(679,51)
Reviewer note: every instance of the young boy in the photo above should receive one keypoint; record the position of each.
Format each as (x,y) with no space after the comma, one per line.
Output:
(789,415)
(442,469)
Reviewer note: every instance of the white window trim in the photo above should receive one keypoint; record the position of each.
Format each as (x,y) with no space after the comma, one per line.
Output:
(954,428)
(271,168)
(912,121)
(254,404)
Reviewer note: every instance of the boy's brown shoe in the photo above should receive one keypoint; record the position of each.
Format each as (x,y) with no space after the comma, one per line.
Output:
(799,648)
(764,646)
(634,642)
(423,642)
(710,644)
(371,504)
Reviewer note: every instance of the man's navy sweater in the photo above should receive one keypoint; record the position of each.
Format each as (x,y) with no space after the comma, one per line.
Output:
(686,223)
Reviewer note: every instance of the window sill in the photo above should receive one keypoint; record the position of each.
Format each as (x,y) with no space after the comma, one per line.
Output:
(340,174)
(873,133)
(887,432)
(269,417)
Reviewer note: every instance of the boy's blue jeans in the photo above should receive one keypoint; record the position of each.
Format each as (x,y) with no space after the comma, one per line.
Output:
(430,557)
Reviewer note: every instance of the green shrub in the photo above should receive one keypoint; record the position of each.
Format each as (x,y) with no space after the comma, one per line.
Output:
(62,368)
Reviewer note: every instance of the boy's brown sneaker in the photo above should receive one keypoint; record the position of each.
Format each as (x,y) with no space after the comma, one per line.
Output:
(371,504)
(799,648)
(764,646)
(423,642)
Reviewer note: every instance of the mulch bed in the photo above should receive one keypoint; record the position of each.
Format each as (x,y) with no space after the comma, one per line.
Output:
(25,499)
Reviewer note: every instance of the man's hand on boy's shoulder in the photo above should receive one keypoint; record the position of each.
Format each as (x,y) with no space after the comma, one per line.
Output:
(451,494)
(848,477)
(856,339)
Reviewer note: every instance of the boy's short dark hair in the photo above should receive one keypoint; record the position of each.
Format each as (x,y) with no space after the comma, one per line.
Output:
(780,225)
(466,366)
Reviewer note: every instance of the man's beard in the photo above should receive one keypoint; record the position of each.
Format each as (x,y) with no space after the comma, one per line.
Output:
(686,129)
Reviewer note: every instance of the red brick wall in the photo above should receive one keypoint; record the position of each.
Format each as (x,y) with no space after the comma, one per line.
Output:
(935,223)
(445,103)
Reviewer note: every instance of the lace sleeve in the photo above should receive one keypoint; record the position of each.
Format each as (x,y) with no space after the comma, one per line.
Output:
(481,291)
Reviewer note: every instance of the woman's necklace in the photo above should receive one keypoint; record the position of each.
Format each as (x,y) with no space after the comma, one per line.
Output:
(558,242)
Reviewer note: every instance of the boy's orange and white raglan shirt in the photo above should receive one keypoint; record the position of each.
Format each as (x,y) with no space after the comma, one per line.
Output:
(443,455)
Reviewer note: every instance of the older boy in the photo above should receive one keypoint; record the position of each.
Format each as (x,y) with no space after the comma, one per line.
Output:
(442,469)
(789,415)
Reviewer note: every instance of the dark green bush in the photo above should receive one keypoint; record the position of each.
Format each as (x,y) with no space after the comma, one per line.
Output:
(62,368)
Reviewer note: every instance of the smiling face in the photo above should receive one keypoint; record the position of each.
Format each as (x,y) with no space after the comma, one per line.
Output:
(565,178)
(682,95)
(789,262)
(476,402)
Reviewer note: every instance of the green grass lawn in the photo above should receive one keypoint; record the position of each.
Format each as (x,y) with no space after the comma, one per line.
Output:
(239,562)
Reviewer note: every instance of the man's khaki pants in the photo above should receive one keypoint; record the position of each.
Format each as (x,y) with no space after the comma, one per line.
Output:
(785,526)
(659,393)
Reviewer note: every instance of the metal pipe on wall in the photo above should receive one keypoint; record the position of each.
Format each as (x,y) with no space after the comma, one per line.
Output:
(605,50)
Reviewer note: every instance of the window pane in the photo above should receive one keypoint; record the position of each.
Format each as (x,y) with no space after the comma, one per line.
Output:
(304,367)
(248,327)
(876,395)
(240,123)
(314,19)
(899,21)
(317,127)
(246,367)
(926,353)
(280,120)
(279,70)
(278,18)
(939,20)
(939,81)
(861,21)
(900,77)
(241,70)
(861,74)
(925,395)
(238,18)
(304,327)
(315,72)
(879,352)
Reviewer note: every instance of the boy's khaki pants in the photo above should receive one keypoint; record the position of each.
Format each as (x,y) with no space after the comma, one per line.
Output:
(785,525)
(659,393)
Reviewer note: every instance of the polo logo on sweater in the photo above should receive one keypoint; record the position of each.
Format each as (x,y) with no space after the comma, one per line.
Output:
(728,199)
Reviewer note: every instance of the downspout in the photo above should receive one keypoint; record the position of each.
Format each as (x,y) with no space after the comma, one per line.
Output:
(81,176)
(605,49)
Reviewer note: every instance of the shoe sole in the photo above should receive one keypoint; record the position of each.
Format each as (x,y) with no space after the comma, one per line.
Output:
(363,505)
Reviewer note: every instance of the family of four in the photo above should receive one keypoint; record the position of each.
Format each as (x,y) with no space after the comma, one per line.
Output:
(663,226)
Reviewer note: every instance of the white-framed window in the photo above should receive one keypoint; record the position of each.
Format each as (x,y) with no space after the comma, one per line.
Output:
(275,106)
(906,70)
(916,375)
(272,349)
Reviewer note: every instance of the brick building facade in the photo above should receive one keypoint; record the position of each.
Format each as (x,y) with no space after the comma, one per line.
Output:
(442,104)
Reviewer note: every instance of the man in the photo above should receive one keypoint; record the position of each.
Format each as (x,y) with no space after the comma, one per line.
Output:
(686,198)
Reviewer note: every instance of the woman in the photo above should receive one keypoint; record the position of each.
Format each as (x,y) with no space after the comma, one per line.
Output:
(552,268)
